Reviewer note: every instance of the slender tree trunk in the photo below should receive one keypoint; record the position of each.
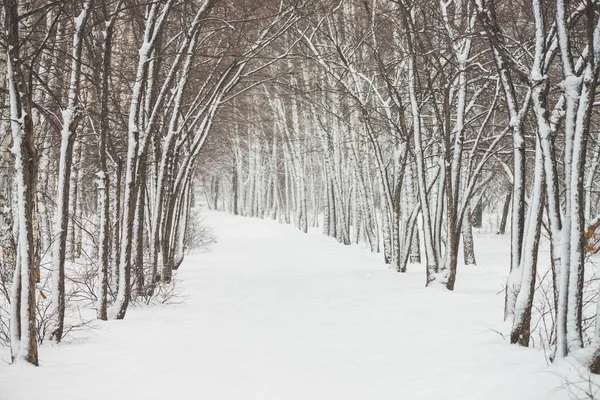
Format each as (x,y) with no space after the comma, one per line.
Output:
(138,229)
(73,249)
(116,232)
(23,298)
(521,330)
(69,126)
(103,176)
(505,210)
(234,187)
(467,234)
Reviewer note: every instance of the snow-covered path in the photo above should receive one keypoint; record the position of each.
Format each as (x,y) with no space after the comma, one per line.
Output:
(272,313)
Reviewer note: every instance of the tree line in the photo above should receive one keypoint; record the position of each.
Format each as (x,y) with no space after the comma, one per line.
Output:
(399,121)
(106,108)
(389,122)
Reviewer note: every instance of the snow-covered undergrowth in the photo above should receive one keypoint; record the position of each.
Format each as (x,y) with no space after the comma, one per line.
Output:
(272,313)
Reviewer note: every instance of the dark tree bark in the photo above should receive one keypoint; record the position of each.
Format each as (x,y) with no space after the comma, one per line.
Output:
(139,234)
(70,121)
(467,234)
(103,176)
(477,216)
(505,210)
(415,248)
(235,188)
(23,337)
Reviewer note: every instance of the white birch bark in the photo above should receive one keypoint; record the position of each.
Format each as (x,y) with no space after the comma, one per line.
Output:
(23,296)
(68,131)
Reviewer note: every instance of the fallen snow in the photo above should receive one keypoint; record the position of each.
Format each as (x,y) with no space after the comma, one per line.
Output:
(272,313)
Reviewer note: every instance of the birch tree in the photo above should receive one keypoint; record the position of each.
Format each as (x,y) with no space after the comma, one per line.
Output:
(70,121)
(23,293)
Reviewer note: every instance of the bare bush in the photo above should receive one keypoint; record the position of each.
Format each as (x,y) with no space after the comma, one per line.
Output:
(161,293)
(543,321)
(582,386)
(198,235)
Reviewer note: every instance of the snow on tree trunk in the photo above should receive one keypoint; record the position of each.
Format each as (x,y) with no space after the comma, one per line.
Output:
(23,295)
(521,328)
(102,175)
(70,119)
(467,235)
(154,24)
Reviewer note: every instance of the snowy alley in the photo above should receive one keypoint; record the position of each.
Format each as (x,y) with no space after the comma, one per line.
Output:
(273,313)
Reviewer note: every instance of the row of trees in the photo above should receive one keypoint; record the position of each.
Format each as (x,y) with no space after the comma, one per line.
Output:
(107,106)
(395,120)
(398,120)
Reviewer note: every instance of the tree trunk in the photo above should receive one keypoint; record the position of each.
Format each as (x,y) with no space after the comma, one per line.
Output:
(69,126)
(138,229)
(505,210)
(467,234)
(23,298)
(520,332)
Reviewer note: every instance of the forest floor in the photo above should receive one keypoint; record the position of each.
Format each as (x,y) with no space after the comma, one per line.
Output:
(273,313)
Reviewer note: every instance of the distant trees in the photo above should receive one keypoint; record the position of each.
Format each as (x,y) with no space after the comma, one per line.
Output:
(397,119)
(386,127)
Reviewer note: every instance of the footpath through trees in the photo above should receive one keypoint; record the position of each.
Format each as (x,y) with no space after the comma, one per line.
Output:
(273,313)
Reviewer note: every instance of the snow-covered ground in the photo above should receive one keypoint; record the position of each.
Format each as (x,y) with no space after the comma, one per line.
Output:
(272,313)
